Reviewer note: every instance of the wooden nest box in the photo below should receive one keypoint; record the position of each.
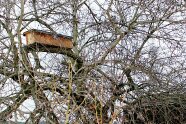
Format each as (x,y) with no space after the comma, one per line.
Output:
(48,38)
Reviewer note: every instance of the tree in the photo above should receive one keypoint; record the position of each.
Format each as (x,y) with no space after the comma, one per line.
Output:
(127,56)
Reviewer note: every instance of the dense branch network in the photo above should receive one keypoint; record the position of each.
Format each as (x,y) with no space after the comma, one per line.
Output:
(127,63)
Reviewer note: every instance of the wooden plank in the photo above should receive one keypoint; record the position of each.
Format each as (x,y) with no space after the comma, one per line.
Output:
(48,38)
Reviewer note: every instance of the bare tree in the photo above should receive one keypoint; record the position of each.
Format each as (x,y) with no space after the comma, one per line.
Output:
(127,64)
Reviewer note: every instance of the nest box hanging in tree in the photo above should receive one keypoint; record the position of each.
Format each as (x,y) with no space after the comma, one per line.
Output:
(48,38)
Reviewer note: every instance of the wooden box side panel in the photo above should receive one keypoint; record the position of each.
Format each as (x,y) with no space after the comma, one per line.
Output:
(67,43)
(30,38)
(51,40)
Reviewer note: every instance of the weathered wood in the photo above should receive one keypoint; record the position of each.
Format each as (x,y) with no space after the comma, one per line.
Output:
(48,38)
